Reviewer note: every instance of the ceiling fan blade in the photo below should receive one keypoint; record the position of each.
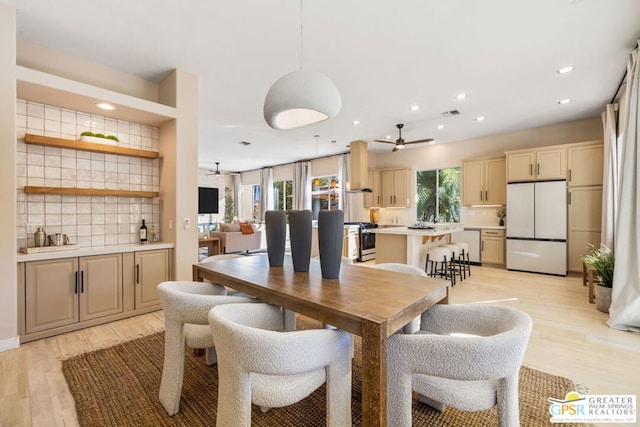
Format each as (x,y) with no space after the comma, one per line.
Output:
(419,140)
(386,142)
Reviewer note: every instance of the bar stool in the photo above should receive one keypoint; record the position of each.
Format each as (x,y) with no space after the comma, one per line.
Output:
(464,257)
(454,264)
(438,263)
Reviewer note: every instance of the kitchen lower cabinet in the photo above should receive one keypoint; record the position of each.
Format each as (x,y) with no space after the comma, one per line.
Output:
(152,268)
(70,290)
(492,246)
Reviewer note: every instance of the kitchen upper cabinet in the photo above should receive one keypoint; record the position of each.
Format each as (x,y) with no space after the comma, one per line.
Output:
(395,189)
(70,290)
(541,164)
(484,182)
(151,268)
(585,165)
(492,246)
(374,200)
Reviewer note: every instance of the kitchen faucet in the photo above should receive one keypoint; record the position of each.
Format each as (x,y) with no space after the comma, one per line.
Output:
(425,214)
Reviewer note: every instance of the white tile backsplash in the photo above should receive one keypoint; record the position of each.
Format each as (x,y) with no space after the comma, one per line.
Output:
(88,221)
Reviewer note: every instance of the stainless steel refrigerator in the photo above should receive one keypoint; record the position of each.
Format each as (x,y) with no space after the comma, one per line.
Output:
(537,227)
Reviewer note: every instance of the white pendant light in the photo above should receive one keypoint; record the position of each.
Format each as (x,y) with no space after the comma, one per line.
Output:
(301,98)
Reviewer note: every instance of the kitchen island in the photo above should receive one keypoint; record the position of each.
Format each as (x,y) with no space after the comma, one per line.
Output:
(409,245)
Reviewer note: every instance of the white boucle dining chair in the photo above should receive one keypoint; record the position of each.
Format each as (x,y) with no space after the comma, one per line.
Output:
(260,364)
(464,356)
(186,306)
(397,267)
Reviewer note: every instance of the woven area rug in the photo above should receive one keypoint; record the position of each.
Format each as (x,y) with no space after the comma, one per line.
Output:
(118,386)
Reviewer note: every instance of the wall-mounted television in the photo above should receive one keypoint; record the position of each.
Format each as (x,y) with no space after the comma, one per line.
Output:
(207,200)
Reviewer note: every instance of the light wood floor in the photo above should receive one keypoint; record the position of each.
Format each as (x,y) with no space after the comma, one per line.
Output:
(569,339)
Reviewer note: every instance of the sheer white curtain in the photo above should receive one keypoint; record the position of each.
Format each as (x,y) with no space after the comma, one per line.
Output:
(610,175)
(266,191)
(345,199)
(624,312)
(237,193)
(301,185)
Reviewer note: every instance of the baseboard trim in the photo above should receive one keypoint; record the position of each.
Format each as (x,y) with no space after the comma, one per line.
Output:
(9,344)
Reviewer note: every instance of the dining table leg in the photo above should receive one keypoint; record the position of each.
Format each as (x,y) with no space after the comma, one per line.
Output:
(374,371)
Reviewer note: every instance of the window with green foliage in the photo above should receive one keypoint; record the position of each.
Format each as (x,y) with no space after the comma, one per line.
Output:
(438,195)
(283,196)
(325,194)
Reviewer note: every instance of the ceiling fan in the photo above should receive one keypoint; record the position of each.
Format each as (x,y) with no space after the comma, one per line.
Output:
(400,143)
(214,172)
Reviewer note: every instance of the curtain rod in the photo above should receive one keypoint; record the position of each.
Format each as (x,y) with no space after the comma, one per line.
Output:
(624,76)
(297,161)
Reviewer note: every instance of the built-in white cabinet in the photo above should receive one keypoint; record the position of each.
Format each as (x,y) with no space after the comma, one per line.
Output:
(395,188)
(65,294)
(540,164)
(484,182)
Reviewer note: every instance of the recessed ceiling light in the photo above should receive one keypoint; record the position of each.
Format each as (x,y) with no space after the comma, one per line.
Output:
(564,101)
(356,122)
(441,126)
(432,142)
(105,106)
(415,107)
(566,69)
(387,137)
(479,118)
(461,96)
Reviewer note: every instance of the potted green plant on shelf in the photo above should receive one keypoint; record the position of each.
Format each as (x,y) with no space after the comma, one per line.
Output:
(501,212)
(603,260)
(87,136)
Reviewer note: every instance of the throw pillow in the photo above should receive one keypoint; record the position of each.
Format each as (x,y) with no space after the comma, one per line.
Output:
(246,228)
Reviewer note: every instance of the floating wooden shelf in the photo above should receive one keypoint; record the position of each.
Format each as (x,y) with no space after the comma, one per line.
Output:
(66,191)
(88,146)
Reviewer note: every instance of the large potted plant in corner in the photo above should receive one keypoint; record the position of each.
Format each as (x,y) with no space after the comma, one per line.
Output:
(602,260)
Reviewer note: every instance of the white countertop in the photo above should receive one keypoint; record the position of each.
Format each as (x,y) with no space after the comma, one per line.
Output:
(440,230)
(93,251)
(484,227)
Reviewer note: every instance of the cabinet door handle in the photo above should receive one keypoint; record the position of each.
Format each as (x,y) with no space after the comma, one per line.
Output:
(569,201)
(530,169)
(390,200)
(137,273)
(569,175)
(480,195)
(486,195)
(82,281)
(76,290)
(378,199)
(538,172)
(482,246)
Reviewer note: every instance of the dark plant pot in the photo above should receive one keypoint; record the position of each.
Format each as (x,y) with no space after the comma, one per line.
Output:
(300,238)
(275,225)
(603,298)
(330,234)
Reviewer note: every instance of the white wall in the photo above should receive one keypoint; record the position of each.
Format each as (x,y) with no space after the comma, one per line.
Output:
(8,250)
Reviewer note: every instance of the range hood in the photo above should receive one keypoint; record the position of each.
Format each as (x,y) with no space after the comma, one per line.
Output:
(359,168)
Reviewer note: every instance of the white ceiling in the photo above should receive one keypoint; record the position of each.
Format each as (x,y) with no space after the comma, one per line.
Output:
(384,56)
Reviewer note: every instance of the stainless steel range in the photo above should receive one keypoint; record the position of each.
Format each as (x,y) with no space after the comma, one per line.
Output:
(366,240)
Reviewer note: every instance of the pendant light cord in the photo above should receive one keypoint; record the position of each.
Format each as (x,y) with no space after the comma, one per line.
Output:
(300,51)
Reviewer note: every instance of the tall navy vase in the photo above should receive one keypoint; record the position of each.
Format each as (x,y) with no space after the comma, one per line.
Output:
(275,223)
(300,238)
(330,235)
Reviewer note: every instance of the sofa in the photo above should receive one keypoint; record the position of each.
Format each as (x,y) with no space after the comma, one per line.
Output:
(236,237)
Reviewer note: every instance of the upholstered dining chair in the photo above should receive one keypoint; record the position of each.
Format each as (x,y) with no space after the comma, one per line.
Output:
(185,306)
(257,363)
(464,356)
(414,325)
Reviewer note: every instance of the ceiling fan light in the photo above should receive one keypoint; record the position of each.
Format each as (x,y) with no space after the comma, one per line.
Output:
(301,98)
(399,146)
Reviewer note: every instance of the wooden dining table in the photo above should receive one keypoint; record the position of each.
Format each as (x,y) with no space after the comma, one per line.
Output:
(367,302)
